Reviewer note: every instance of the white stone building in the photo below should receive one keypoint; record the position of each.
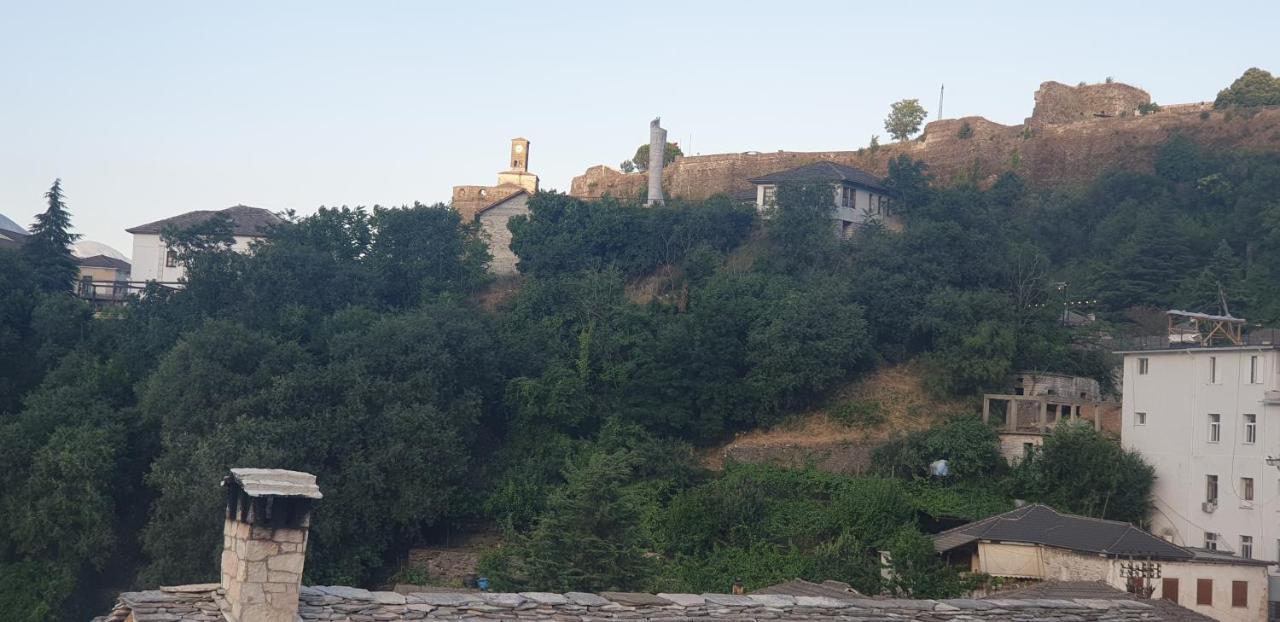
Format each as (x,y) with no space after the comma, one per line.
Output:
(858,197)
(153,260)
(1208,420)
(1035,542)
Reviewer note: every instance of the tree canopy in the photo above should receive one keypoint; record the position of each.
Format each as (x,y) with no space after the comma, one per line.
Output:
(1253,88)
(905,117)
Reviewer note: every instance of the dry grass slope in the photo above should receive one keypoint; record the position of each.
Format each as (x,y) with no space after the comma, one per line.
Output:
(819,438)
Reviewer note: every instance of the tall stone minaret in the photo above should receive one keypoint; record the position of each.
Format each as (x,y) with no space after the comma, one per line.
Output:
(657,158)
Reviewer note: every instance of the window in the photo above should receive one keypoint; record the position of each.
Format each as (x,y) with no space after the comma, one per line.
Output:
(1246,489)
(1143,365)
(767,195)
(1139,418)
(1215,428)
(1250,429)
(1213,370)
(845,200)
(1210,491)
(1246,547)
(1169,589)
(1204,592)
(1253,369)
(171,259)
(1239,593)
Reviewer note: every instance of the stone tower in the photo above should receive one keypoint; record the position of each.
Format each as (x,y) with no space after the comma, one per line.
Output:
(265,542)
(657,159)
(520,154)
(518,174)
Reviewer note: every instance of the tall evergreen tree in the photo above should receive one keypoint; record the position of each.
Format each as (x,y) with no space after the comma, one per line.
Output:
(48,250)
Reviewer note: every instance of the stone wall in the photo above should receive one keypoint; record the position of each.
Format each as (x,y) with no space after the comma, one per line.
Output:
(352,605)
(494,223)
(262,569)
(1056,146)
(1059,103)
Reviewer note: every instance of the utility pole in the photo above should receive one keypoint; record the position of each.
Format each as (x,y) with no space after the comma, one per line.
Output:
(941,91)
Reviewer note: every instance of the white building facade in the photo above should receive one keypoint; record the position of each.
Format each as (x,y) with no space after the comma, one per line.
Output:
(1207,419)
(153,260)
(858,197)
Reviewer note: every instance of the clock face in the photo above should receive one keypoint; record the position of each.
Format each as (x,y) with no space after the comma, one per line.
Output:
(519,148)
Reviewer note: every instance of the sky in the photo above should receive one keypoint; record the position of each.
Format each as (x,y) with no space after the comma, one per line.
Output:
(150,109)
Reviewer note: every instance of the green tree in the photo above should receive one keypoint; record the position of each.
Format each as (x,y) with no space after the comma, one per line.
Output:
(916,571)
(641,159)
(48,249)
(905,117)
(1082,472)
(586,541)
(213,234)
(1253,88)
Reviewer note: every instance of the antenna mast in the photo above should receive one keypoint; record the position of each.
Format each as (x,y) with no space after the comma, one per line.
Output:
(941,91)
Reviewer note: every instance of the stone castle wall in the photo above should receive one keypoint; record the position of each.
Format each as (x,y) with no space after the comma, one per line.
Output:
(1063,142)
(1059,103)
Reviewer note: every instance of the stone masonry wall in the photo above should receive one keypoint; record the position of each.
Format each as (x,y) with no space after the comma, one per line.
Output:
(261,570)
(494,222)
(345,604)
(1048,150)
(1059,103)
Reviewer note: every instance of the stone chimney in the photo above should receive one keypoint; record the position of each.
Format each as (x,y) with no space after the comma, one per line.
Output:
(265,542)
(657,160)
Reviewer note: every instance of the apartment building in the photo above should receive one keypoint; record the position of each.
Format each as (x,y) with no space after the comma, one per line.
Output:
(1206,417)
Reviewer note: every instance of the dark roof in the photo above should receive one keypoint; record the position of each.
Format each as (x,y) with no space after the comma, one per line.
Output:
(12,239)
(1097,590)
(103,261)
(824,172)
(245,220)
(800,587)
(1041,524)
(1223,557)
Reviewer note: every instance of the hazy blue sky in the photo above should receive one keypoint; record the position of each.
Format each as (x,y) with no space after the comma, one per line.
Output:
(150,109)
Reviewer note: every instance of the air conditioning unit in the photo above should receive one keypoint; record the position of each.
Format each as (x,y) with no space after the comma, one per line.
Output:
(1209,506)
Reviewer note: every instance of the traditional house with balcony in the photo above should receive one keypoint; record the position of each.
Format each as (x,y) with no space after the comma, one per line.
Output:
(858,197)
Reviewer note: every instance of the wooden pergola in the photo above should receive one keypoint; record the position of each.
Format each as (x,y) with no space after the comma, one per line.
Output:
(1205,328)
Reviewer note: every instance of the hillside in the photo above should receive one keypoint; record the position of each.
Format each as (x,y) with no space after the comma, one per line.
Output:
(895,392)
(1072,135)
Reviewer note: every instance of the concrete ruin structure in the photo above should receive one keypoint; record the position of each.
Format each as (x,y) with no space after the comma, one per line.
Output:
(1040,401)
(657,160)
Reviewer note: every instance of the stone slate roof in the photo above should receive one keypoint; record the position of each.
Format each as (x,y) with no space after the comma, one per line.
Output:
(103,261)
(204,603)
(1041,524)
(245,220)
(1071,590)
(276,483)
(825,172)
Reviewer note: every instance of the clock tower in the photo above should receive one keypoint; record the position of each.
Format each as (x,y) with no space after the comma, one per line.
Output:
(519,174)
(520,154)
